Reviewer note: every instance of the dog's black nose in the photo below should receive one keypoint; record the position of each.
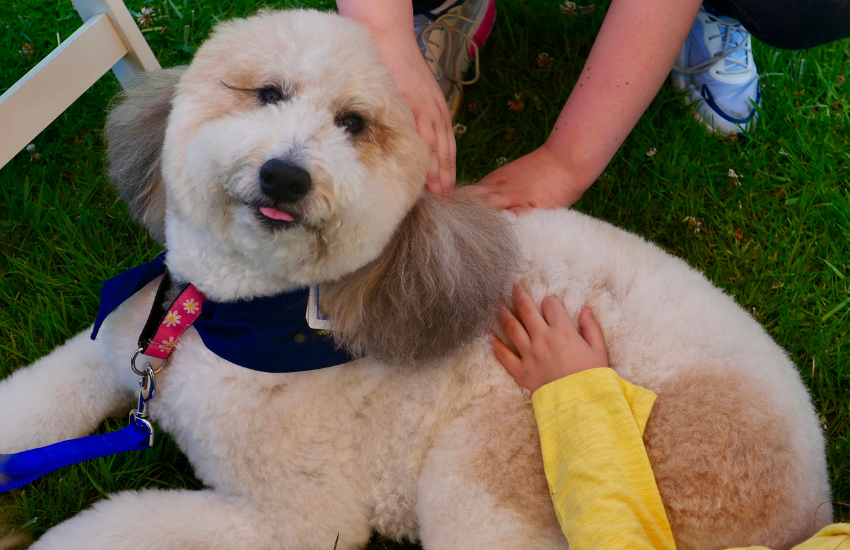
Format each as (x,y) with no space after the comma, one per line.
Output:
(284,182)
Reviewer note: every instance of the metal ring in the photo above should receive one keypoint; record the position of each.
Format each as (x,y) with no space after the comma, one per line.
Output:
(163,365)
(145,372)
(133,363)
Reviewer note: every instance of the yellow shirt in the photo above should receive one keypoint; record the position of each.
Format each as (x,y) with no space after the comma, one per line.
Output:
(591,426)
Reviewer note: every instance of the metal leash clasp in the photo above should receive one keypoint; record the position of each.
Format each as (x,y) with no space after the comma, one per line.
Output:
(147,388)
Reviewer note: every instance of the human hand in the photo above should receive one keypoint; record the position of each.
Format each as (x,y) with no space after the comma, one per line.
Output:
(536,180)
(390,22)
(549,346)
(422,94)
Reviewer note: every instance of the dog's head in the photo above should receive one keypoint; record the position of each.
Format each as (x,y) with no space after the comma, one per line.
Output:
(284,156)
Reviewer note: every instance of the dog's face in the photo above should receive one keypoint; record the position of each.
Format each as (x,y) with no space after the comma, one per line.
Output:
(284,156)
(288,157)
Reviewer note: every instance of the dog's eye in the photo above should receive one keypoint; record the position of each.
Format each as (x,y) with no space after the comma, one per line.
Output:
(352,124)
(271,95)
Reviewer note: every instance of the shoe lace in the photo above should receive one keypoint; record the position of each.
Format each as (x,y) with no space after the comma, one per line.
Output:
(728,31)
(423,35)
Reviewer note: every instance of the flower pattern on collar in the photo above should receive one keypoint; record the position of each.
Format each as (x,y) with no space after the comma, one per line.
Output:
(171,319)
(191,306)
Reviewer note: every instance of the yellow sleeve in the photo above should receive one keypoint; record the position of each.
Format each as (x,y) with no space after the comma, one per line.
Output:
(591,426)
(831,537)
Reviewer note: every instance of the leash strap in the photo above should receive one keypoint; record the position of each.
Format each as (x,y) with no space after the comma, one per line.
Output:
(158,339)
(21,468)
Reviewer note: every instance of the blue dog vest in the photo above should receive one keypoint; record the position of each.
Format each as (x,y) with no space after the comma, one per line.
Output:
(267,334)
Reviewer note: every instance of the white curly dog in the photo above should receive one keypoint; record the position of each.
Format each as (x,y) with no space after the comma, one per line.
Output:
(425,436)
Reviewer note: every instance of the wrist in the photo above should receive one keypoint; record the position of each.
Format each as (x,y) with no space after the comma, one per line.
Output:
(400,53)
(398,40)
(573,178)
(568,383)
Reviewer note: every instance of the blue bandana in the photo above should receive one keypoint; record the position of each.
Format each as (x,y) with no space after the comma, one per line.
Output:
(265,334)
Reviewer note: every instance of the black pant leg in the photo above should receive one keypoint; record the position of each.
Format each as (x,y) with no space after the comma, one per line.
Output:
(420,6)
(790,24)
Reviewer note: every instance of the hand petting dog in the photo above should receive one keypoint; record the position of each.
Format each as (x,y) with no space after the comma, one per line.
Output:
(549,346)
(399,51)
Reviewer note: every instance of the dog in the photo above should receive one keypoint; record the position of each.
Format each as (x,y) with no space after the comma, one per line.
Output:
(423,435)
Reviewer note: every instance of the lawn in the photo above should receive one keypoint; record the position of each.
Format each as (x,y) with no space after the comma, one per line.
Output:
(776,237)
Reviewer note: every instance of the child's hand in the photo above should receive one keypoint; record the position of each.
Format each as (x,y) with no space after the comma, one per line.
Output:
(549,346)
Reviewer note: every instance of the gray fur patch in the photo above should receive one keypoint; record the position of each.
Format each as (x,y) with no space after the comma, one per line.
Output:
(135,130)
(438,285)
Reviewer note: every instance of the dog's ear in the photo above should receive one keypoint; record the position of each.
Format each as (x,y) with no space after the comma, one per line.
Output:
(135,130)
(437,286)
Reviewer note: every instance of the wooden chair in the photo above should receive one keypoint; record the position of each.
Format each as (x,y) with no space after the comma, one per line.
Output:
(109,38)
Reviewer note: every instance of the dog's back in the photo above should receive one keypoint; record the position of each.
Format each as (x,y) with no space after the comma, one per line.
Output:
(733,438)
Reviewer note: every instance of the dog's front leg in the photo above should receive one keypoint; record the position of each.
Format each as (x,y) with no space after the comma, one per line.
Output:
(61,396)
(200,520)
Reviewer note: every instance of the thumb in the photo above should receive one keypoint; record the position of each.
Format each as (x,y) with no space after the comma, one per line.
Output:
(521,210)
(591,331)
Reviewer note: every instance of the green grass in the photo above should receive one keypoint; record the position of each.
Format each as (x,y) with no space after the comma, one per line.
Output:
(779,242)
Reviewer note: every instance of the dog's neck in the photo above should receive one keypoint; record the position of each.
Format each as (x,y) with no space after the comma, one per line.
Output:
(222,273)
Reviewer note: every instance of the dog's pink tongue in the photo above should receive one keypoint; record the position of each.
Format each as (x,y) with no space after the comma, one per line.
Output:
(275,214)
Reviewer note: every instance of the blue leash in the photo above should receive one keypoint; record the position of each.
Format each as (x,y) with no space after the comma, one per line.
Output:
(21,468)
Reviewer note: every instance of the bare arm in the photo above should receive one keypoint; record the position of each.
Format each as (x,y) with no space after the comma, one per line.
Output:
(390,23)
(629,61)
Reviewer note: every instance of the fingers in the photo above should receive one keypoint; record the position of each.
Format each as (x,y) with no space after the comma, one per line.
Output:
(446,156)
(520,210)
(555,314)
(468,192)
(432,178)
(485,194)
(496,200)
(515,331)
(591,331)
(451,159)
(435,127)
(527,311)
(507,358)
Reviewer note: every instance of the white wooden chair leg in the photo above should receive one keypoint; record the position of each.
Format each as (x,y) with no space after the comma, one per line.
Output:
(108,39)
(139,56)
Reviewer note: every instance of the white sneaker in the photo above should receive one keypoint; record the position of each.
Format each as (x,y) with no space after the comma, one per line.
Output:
(716,68)
(450,41)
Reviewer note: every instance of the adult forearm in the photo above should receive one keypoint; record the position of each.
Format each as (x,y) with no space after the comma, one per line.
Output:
(629,61)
